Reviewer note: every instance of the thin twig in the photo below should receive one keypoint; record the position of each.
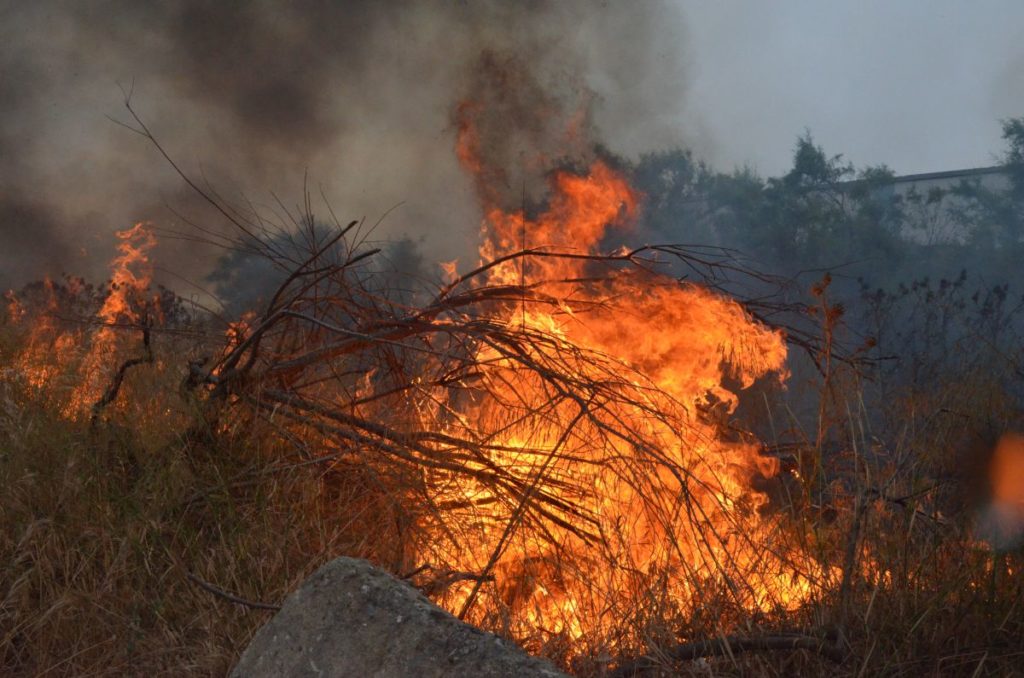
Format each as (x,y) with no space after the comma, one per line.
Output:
(230,597)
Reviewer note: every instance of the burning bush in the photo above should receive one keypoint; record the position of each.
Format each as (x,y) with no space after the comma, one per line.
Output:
(551,427)
(546,445)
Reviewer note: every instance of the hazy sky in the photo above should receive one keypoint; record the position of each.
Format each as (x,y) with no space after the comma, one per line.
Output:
(360,95)
(917,84)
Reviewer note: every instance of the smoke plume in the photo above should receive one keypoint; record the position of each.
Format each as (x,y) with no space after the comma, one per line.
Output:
(361,96)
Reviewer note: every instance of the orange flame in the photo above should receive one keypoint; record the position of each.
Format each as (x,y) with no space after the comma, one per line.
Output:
(85,357)
(45,340)
(678,345)
(129,284)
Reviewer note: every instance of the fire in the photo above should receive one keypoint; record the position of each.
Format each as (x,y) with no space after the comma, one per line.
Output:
(86,358)
(129,285)
(575,456)
(45,339)
(671,501)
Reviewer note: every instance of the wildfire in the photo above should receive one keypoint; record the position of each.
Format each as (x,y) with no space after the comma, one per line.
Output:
(35,363)
(671,500)
(570,437)
(86,357)
(129,285)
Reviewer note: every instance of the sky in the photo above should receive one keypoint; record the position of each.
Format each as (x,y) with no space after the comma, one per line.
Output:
(358,96)
(919,85)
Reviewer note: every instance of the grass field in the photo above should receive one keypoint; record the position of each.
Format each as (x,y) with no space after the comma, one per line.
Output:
(125,535)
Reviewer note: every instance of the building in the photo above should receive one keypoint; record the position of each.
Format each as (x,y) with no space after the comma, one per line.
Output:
(931,203)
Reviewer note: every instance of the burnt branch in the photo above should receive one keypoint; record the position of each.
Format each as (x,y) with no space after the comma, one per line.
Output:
(230,597)
(114,388)
(517,451)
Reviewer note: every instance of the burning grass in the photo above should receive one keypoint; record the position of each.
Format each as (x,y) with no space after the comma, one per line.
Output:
(492,447)
(547,445)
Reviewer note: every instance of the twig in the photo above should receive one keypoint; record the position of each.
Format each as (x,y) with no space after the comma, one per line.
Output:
(850,555)
(115,384)
(230,597)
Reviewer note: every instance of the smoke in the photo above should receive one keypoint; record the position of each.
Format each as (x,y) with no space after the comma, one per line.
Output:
(513,128)
(362,96)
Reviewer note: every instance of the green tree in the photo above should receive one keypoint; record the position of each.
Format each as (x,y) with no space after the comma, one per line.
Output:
(993,216)
(675,197)
(823,213)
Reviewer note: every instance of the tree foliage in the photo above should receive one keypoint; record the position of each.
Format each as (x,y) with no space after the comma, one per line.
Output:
(825,214)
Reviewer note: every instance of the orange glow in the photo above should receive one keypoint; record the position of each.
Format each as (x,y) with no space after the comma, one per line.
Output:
(86,356)
(1007,470)
(36,363)
(129,284)
(450,270)
(1002,523)
(682,511)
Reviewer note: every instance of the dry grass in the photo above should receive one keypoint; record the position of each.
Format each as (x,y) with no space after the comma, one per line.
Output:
(101,524)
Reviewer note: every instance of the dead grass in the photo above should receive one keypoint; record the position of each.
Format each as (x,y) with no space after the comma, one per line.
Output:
(101,525)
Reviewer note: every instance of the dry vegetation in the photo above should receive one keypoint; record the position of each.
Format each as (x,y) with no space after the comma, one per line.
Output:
(102,524)
(111,527)
(590,504)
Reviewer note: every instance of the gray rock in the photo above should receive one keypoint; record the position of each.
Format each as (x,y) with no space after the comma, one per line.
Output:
(352,619)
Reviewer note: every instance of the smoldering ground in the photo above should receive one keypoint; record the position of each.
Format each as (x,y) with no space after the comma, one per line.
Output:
(253,97)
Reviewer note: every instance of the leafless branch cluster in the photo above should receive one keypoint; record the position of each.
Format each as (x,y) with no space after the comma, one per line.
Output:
(524,461)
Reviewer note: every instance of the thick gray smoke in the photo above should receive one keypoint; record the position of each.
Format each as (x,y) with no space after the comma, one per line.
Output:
(252,95)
